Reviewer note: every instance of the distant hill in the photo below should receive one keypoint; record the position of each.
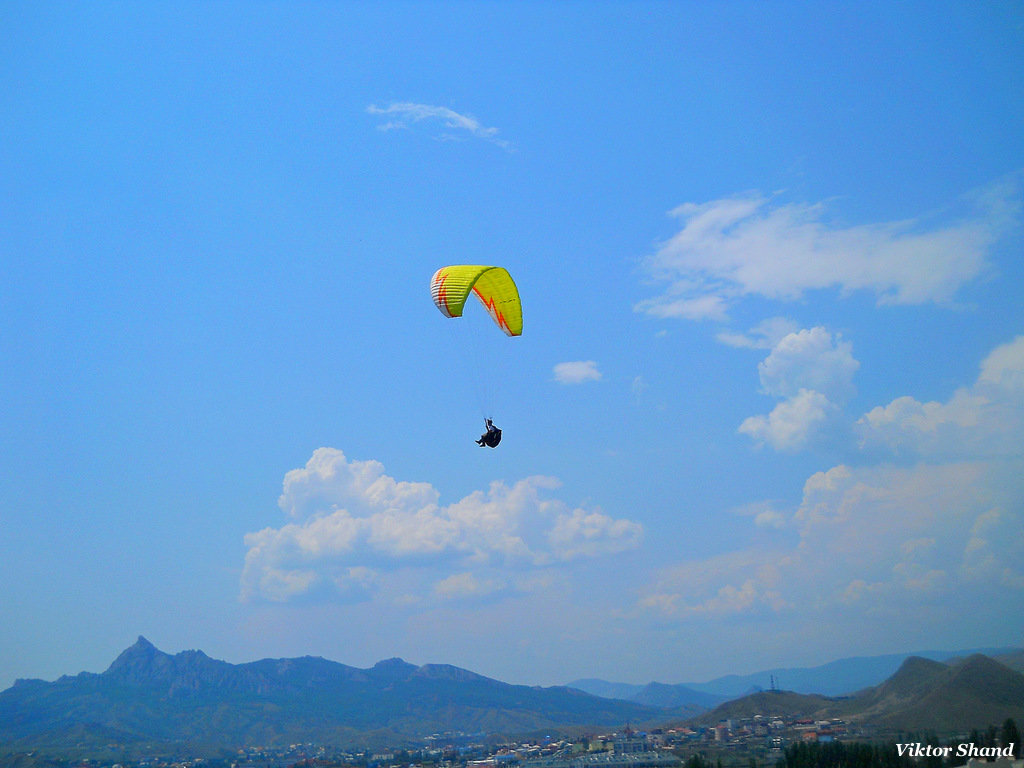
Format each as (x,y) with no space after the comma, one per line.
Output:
(1013,660)
(922,695)
(652,694)
(662,695)
(837,678)
(596,687)
(972,693)
(785,704)
(150,697)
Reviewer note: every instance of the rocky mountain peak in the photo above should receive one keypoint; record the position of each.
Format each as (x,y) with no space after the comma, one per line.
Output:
(393,669)
(137,660)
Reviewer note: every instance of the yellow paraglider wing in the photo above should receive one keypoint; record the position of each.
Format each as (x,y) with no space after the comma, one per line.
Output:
(493,286)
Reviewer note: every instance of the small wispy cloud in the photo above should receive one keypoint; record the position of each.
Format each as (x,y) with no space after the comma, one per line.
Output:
(404,114)
(463,585)
(763,336)
(577,372)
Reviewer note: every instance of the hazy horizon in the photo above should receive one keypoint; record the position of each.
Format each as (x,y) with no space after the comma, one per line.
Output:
(935,654)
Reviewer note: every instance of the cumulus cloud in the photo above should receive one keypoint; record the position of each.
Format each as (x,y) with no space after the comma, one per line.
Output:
(577,372)
(794,423)
(404,114)
(810,359)
(751,245)
(813,371)
(353,525)
(984,419)
(329,481)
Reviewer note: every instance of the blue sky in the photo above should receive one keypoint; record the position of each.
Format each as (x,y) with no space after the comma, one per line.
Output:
(768,404)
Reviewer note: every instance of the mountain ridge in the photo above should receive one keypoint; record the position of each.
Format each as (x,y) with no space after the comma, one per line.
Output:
(839,677)
(923,694)
(146,695)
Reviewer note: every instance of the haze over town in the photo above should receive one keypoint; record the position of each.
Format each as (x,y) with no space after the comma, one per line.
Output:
(767,408)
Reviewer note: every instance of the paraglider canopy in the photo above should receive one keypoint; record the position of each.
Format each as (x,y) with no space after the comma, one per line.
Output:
(493,286)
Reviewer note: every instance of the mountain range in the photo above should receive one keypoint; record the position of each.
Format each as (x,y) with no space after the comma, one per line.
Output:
(148,700)
(148,696)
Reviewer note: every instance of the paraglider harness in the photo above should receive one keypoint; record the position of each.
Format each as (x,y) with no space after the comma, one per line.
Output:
(491,437)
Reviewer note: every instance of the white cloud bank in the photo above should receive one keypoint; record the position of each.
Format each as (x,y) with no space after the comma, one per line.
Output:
(354,525)
(750,246)
(404,114)
(814,373)
(577,372)
(871,548)
(886,540)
